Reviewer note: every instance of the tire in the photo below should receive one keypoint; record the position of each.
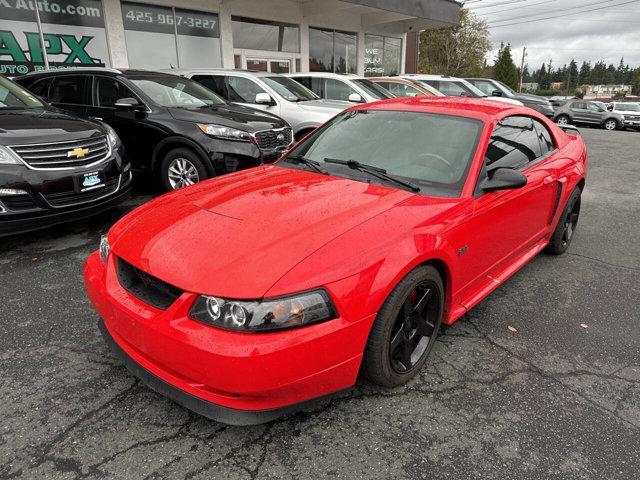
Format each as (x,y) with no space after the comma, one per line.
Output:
(181,167)
(610,124)
(565,230)
(563,120)
(381,362)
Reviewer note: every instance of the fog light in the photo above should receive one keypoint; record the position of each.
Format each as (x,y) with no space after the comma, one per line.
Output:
(11,191)
(104,248)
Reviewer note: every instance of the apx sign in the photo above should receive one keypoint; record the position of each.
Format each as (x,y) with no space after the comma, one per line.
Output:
(73,33)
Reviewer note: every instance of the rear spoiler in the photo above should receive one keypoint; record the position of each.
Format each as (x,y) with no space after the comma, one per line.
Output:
(570,129)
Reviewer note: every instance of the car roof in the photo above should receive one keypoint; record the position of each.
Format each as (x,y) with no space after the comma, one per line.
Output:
(485,110)
(94,70)
(325,74)
(219,71)
(419,76)
(391,79)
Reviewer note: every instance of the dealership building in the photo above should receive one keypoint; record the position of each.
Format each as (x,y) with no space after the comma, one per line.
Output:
(367,37)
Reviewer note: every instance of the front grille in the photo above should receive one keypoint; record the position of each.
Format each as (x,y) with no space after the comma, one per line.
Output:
(145,287)
(268,139)
(18,202)
(71,197)
(60,154)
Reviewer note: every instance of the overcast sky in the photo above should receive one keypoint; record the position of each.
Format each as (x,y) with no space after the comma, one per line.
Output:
(605,34)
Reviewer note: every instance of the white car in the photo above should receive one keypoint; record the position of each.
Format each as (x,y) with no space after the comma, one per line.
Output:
(456,87)
(630,111)
(347,87)
(274,93)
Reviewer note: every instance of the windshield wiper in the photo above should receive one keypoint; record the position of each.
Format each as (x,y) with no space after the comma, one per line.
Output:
(375,171)
(308,162)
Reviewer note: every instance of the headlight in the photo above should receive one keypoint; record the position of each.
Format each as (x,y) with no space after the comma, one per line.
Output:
(265,315)
(112,136)
(104,248)
(7,157)
(227,133)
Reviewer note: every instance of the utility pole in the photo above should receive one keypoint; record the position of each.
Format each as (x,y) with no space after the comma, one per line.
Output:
(524,54)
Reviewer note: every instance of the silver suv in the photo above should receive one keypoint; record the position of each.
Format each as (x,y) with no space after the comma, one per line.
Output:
(582,111)
(274,93)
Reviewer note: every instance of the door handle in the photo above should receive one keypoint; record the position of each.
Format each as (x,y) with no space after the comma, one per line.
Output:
(547,180)
(96,118)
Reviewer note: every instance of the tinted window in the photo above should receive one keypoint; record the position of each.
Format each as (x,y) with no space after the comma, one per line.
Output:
(337,90)
(486,87)
(546,143)
(514,143)
(173,91)
(215,83)
(373,89)
(306,81)
(41,88)
(108,90)
(68,89)
(578,106)
(243,90)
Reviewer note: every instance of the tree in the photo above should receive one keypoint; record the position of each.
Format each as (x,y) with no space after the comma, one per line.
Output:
(504,69)
(572,76)
(459,50)
(585,73)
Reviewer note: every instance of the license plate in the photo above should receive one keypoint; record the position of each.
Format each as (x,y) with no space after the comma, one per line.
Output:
(90,181)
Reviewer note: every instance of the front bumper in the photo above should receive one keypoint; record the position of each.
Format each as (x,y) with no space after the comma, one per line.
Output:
(632,123)
(232,377)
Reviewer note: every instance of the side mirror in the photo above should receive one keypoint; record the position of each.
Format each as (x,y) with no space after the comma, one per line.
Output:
(496,93)
(503,179)
(264,99)
(127,104)
(356,98)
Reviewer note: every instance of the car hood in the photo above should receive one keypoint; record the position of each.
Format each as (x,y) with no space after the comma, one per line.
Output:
(330,107)
(237,235)
(230,115)
(511,101)
(43,125)
(525,97)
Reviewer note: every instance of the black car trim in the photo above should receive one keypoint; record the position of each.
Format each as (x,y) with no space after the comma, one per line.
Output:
(178,142)
(213,411)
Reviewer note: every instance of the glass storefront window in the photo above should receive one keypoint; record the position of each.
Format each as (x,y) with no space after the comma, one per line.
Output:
(166,37)
(332,51)
(383,55)
(252,34)
(73,31)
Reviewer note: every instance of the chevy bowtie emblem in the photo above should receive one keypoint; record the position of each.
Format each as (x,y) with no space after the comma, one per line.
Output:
(77,152)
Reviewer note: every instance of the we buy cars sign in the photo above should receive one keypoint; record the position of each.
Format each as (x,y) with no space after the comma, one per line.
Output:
(73,33)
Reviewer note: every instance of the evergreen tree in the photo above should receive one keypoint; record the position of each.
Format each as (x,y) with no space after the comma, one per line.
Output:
(585,73)
(504,69)
(572,75)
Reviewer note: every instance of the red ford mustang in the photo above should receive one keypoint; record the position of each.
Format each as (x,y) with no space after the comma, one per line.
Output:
(247,296)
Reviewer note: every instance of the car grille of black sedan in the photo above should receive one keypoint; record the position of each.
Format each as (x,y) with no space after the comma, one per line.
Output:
(64,154)
(71,197)
(145,287)
(272,139)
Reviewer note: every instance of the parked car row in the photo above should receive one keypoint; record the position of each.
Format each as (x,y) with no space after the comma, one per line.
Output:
(88,129)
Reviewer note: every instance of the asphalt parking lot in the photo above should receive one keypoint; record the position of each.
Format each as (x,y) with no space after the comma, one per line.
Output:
(559,397)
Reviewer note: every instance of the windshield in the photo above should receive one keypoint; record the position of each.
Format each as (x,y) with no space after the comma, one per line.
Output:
(12,96)
(290,89)
(628,107)
(173,91)
(373,89)
(433,151)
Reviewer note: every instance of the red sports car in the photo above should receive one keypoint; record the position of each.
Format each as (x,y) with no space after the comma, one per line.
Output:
(247,296)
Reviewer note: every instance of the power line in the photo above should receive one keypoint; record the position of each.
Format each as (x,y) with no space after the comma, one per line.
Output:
(558,16)
(555,10)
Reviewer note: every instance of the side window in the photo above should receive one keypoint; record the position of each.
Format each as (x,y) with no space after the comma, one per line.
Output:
(306,81)
(242,89)
(108,90)
(546,142)
(592,107)
(215,83)
(514,143)
(337,89)
(41,88)
(485,87)
(578,106)
(451,88)
(69,89)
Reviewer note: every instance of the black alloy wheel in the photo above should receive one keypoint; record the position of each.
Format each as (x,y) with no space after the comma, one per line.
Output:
(414,328)
(567,224)
(405,329)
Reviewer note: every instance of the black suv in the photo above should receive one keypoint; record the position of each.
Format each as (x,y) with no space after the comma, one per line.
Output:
(168,124)
(54,167)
